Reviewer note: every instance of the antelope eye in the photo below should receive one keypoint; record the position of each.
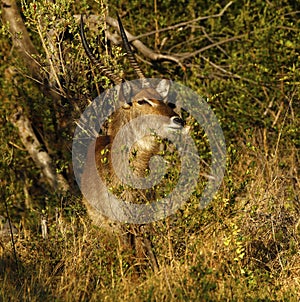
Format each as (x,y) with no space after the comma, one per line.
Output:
(172,105)
(177,120)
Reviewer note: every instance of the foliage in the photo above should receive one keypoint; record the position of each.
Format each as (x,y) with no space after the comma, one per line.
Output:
(244,246)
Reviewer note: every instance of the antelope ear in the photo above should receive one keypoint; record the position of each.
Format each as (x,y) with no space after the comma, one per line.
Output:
(125,95)
(163,88)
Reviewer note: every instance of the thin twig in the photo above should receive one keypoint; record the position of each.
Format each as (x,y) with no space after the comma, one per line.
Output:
(282,126)
(53,71)
(212,41)
(11,236)
(228,72)
(182,23)
(196,52)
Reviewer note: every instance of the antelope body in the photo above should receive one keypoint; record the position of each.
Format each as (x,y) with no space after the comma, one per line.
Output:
(138,102)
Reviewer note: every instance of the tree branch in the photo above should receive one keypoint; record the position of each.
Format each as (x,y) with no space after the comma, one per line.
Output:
(28,53)
(141,47)
(40,157)
(149,53)
(21,40)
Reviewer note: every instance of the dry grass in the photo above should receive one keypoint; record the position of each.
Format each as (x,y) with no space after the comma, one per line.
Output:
(242,247)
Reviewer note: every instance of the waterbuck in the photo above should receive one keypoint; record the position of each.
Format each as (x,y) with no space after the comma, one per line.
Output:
(137,101)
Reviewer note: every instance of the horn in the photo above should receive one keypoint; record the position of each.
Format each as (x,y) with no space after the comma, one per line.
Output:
(130,54)
(103,69)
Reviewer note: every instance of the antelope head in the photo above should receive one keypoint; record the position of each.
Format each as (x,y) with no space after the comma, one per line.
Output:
(136,101)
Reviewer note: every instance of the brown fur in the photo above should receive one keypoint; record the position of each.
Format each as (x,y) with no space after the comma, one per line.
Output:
(98,166)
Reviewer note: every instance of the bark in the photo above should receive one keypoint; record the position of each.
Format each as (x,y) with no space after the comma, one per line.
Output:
(40,157)
(20,36)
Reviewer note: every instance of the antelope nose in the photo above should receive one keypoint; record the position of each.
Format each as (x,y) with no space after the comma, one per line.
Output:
(177,121)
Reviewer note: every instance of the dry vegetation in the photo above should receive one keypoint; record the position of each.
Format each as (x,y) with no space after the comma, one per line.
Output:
(245,245)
